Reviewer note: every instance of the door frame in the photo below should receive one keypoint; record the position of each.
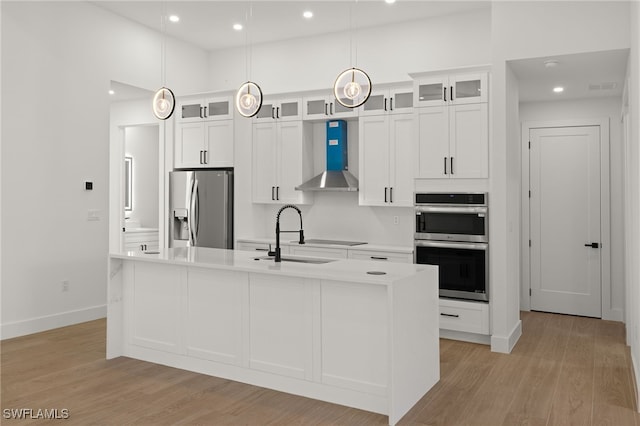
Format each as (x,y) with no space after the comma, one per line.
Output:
(605,202)
(116,181)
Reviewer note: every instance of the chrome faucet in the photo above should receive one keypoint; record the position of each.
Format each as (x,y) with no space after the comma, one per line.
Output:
(276,253)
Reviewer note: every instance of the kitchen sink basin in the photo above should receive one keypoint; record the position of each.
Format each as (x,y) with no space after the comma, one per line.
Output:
(314,260)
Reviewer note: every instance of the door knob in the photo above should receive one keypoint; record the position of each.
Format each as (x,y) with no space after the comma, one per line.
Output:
(592,245)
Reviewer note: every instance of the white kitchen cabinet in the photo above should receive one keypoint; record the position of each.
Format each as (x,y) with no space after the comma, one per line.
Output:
(328,252)
(450,89)
(381,255)
(206,108)
(288,109)
(453,142)
(213,322)
(389,101)
(282,160)
(204,144)
(386,160)
(259,248)
(322,107)
(141,240)
(154,307)
(464,316)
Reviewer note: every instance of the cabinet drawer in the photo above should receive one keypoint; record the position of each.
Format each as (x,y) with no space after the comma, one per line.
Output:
(257,247)
(469,317)
(382,256)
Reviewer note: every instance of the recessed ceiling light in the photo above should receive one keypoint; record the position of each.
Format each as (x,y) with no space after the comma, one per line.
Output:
(308,14)
(174,18)
(237,27)
(111,92)
(558,89)
(390,1)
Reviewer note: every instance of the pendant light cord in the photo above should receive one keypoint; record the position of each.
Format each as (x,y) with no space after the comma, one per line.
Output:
(163,53)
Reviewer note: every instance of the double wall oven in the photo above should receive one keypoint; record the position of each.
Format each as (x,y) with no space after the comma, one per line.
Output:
(452,232)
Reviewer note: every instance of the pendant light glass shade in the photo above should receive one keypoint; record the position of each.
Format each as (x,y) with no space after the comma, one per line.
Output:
(164,102)
(249,99)
(352,87)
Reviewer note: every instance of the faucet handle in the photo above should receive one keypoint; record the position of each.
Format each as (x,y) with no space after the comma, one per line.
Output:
(301,237)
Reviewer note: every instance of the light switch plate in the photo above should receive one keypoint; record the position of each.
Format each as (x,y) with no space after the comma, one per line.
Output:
(93,214)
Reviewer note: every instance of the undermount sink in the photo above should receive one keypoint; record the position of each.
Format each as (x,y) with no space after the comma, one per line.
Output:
(314,260)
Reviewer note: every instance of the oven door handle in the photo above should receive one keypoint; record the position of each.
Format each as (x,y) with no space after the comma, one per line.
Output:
(433,209)
(453,245)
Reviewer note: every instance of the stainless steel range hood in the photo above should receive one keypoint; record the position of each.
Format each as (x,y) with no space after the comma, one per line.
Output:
(336,177)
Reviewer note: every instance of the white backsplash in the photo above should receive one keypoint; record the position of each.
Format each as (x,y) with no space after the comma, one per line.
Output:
(337,215)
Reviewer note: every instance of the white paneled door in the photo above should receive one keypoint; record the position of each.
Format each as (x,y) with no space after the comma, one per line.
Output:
(565,220)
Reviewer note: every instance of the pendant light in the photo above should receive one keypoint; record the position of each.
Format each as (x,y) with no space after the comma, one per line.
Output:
(164,101)
(249,95)
(353,86)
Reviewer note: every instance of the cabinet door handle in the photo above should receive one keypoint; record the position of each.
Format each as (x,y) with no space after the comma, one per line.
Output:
(451,160)
(277,192)
(444,98)
(273,113)
(385,194)
(205,112)
(331,108)
(273,188)
(379,258)
(206,157)
(326,108)
(385,104)
(261,249)
(390,104)
(451,94)
(200,157)
(450,315)
(201,116)
(277,112)
(445,165)
(391,194)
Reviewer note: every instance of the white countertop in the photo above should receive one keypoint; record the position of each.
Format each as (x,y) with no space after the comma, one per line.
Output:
(338,270)
(366,246)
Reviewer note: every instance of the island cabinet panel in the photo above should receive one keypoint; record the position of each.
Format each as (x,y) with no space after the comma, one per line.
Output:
(280,325)
(214,314)
(355,351)
(155,307)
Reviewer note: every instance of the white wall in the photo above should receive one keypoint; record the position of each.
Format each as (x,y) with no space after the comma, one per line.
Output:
(58,59)
(609,108)
(141,143)
(387,54)
(523,30)
(632,198)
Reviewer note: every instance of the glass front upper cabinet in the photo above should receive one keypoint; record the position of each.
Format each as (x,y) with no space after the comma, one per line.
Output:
(452,89)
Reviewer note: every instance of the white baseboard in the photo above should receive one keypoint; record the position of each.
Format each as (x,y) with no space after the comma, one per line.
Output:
(482,339)
(613,315)
(505,344)
(636,379)
(48,322)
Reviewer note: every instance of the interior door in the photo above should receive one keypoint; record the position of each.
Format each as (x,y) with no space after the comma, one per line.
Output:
(565,220)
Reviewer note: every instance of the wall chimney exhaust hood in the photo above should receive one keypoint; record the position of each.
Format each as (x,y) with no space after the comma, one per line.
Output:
(336,177)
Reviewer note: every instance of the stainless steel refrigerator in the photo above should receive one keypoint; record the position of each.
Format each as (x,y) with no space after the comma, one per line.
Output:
(201,208)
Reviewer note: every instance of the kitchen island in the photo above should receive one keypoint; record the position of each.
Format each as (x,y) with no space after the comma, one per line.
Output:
(330,331)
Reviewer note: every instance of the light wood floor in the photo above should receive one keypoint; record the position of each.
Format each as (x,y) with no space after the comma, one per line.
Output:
(564,370)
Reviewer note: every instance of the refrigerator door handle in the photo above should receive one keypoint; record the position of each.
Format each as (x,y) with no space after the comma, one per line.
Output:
(192,209)
(196,214)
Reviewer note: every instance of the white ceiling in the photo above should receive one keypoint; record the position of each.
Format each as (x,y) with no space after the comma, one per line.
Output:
(584,75)
(208,24)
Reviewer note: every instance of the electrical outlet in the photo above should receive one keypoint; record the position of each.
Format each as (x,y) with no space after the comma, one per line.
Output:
(396,220)
(65,285)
